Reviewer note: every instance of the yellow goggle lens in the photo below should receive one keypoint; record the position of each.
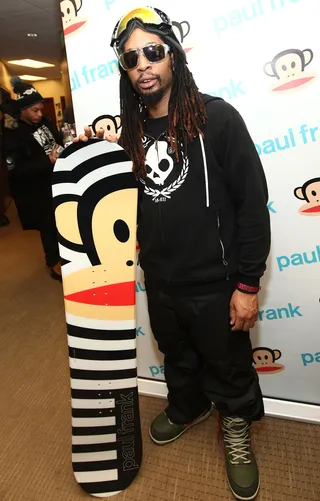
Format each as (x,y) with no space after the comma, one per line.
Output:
(146,15)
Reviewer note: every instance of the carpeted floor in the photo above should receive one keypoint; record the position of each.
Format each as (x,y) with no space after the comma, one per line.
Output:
(35,457)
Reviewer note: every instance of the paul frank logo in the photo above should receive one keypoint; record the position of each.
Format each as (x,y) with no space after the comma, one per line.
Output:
(126,432)
(288,69)
(139,332)
(157,370)
(299,259)
(288,140)
(271,208)
(288,311)
(310,358)
(108,3)
(71,21)
(248,12)
(310,193)
(230,90)
(265,360)
(140,287)
(88,76)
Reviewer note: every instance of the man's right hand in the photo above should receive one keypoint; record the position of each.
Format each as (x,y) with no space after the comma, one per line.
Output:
(99,135)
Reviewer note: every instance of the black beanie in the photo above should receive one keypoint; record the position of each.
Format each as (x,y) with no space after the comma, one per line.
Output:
(27,95)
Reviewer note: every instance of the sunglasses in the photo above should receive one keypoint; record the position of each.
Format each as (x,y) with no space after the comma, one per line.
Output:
(154,52)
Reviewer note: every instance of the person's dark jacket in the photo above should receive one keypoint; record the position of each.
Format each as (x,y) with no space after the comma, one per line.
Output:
(29,172)
(211,221)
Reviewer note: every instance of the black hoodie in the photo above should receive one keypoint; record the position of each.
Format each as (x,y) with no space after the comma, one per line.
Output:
(204,219)
(25,152)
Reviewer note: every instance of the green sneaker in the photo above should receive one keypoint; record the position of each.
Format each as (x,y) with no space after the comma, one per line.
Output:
(163,431)
(242,468)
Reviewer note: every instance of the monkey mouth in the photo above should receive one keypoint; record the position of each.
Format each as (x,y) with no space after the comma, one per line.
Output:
(73,27)
(122,294)
(270,368)
(187,50)
(316,208)
(293,84)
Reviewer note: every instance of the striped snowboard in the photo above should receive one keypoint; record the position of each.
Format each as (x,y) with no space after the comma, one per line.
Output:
(95,199)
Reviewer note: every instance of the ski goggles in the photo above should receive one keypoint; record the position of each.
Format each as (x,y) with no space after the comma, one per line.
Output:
(147,15)
(154,52)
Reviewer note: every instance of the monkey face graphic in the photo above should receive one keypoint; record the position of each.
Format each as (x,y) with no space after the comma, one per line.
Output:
(69,12)
(310,193)
(100,222)
(181,30)
(264,360)
(288,68)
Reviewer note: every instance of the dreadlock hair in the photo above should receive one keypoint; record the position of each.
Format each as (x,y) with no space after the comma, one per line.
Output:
(186,117)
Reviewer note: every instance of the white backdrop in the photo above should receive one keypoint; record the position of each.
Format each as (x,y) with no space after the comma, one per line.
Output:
(228,45)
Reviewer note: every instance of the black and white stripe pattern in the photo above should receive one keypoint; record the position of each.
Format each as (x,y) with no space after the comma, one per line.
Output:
(103,370)
(106,436)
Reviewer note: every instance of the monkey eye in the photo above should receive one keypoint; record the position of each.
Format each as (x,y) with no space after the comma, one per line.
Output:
(68,10)
(314,193)
(259,357)
(266,357)
(284,67)
(293,64)
(121,230)
(109,127)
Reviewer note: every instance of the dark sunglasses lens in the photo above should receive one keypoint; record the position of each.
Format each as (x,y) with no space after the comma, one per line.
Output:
(154,53)
(129,59)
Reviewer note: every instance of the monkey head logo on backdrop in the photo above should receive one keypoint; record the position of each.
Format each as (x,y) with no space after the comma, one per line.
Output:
(182,30)
(70,20)
(264,360)
(288,67)
(310,193)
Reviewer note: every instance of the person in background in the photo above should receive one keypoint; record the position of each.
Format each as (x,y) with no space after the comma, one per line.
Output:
(30,148)
(68,115)
(204,236)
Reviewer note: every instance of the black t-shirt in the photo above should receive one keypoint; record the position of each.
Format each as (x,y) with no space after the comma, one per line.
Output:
(44,136)
(154,127)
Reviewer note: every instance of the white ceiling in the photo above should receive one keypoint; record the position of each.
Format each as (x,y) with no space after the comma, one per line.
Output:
(19,17)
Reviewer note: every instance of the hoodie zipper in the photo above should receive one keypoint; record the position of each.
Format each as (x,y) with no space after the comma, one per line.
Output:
(224,261)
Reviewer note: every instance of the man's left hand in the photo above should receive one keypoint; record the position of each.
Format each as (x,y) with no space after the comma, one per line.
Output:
(243,311)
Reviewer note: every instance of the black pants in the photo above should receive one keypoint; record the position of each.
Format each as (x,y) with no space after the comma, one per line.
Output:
(49,239)
(204,360)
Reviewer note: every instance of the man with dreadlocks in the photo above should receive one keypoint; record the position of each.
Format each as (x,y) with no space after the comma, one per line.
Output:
(204,237)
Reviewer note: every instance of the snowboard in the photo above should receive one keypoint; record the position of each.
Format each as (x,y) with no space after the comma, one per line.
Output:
(95,200)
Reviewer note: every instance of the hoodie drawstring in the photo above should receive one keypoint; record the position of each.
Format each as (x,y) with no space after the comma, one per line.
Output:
(205,168)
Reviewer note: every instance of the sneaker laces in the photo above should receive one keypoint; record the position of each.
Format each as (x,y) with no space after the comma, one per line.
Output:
(236,436)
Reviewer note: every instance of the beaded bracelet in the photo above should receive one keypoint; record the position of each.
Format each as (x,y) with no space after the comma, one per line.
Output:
(248,288)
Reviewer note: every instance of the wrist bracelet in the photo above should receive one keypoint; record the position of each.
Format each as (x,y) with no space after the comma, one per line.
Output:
(248,288)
